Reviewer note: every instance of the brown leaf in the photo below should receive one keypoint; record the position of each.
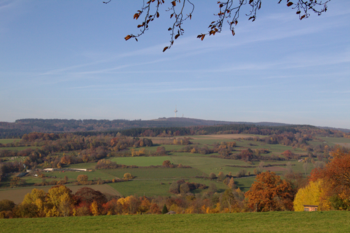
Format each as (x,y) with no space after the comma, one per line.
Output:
(157,14)
(289,3)
(298,12)
(127,37)
(202,38)
(165,48)
(302,17)
(136,16)
(233,33)
(173,3)
(250,1)
(177,36)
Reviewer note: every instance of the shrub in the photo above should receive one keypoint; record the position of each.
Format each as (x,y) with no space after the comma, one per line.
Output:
(221,176)
(184,188)
(128,176)
(174,188)
(106,164)
(166,163)
(212,176)
(82,179)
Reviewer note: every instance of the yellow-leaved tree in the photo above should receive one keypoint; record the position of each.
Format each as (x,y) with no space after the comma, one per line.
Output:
(37,197)
(311,195)
(58,199)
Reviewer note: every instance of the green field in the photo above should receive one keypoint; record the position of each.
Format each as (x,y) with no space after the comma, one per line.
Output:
(141,161)
(5,141)
(332,221)
(333,141)
(19,148)
(154,173)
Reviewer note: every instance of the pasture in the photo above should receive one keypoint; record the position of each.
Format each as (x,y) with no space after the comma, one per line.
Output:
(331,221)
(333,141)
(141,161)
(5,141)
(19,148)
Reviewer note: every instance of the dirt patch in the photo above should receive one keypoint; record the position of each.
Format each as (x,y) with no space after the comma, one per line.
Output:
(226,136)
(163,141)
(347,145)
(16,195)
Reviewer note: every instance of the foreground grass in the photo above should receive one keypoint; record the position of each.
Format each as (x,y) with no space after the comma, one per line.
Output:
(332,221)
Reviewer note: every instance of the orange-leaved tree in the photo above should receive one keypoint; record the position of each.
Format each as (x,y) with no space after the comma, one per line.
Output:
(269,192)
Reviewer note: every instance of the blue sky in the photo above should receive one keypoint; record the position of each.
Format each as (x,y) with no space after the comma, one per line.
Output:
(68,59)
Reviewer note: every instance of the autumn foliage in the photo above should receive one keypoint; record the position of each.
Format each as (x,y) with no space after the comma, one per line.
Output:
(269,193)
(333,182)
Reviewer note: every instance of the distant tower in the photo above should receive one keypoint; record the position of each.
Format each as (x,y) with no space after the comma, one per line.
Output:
(175,111)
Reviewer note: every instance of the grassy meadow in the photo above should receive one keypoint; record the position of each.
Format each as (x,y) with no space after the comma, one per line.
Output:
(5,141)
(331,221)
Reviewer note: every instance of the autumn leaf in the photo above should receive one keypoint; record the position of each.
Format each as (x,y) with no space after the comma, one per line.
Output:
(173,3)
(302,17)
(289,3)
(127,37)
(177,36)
(136,16)
(233,33)
(165,48)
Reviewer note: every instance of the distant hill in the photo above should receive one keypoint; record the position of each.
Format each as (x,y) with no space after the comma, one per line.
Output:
(340,129)
(183,121)
(24,126)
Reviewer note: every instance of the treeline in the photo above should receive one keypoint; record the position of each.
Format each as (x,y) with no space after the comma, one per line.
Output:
(24,126)
(224,129)
(173,127)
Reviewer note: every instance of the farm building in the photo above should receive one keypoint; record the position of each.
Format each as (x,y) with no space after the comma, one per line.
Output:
(310,207)
(65,169)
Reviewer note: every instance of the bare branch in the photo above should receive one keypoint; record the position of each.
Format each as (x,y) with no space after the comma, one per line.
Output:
(228,10)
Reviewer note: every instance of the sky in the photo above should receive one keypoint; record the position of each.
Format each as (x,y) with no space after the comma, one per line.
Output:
(68,59)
